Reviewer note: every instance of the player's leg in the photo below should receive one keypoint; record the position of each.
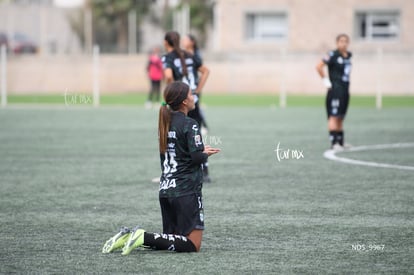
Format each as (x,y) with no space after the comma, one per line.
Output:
(191,219)
(332,122)
(334,125)
(153,90)
(157,90)
(340,132)
(196,236)
(183,225)
(187,211)
(343,107)
(206,175)
(148,104)
(157,241)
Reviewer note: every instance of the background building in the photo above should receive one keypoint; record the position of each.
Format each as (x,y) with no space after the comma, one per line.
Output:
(251,46)
(311,25)
(40,22)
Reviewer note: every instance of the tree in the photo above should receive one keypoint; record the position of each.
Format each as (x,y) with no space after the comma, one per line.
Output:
(201,16)
(115,13)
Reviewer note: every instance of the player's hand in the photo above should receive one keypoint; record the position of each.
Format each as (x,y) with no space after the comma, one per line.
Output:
(210,150)
(327,82)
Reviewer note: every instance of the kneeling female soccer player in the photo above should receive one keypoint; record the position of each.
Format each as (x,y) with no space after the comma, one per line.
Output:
(182,152)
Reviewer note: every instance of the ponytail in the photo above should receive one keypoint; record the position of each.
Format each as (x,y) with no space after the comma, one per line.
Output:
(164,120)
(173,39)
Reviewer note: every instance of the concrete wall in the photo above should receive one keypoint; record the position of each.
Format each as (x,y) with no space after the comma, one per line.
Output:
(229,74)
(44,25)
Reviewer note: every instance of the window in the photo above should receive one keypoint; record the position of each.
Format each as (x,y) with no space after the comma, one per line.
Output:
(377,25)
(266,26)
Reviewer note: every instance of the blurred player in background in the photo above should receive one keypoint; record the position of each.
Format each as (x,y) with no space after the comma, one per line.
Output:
(180,65)
(337,83)
(181,153)
(189,44)
(155,74)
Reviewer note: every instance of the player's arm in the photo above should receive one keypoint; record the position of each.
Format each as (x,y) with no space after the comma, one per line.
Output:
(320,68)
(199,157)
(168,75)
(195,145)
(199,153)
(203,79)
(167,64)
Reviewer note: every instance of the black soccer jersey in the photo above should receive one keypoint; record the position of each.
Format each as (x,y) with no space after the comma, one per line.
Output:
(339,68)
(198,60)
(172,60)
(181,174)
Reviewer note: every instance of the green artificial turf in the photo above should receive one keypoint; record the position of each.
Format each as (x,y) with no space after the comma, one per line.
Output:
(80,99)
(71,176)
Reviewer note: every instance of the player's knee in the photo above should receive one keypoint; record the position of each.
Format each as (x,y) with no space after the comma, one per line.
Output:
(196,242)
(197,247)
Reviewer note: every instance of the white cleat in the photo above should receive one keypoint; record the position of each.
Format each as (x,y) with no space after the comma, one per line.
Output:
(337,147)
(347,146)
(156,180)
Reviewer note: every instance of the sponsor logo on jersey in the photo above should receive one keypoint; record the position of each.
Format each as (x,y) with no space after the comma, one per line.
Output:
(197,140)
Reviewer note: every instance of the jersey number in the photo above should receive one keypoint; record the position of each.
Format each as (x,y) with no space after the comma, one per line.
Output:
(170,164)
(190,80)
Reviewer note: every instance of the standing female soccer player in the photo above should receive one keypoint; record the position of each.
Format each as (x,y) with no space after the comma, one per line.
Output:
(182,66)
(182,152)
(339,69)
(190,45)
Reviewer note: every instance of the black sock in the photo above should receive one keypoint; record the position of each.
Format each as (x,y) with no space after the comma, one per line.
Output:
(333,137)
(340,137)
(170,242)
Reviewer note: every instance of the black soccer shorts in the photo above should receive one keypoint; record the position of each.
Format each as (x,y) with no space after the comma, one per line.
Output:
(182,215)
(337,102)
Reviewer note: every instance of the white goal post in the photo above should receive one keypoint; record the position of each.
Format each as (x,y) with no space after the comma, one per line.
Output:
(95,76)
(3,75)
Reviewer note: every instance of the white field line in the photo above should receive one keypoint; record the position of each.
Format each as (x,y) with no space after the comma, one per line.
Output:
(331,154)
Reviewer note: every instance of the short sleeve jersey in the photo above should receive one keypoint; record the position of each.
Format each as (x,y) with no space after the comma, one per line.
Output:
(339,68)
(172,60)
(180,176)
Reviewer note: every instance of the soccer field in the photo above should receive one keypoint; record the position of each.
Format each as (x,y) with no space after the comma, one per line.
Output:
(70,177)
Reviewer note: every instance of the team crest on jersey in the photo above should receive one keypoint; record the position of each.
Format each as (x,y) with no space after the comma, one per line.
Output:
(197,140)
(340,60)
